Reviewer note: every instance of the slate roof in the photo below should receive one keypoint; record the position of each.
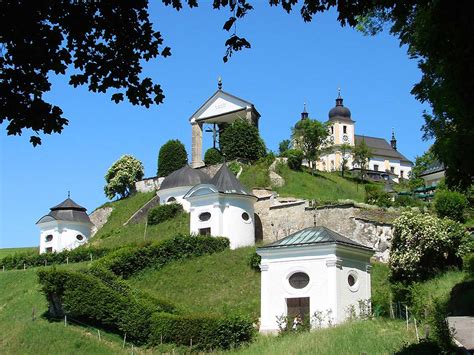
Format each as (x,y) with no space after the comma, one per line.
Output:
(380,147)
(186,176)
(340,112)
(68,210)
(226,182)
(314,236)
(435,167)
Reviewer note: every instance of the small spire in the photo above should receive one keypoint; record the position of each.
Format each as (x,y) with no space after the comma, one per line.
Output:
(69,194)
(393,141)
(219,83)
(339,93)
(339,98)
(304,107)
(304,114)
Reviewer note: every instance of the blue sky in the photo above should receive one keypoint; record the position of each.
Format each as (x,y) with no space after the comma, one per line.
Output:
(290,62)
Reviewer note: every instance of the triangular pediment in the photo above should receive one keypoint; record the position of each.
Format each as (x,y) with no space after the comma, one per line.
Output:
(220,104)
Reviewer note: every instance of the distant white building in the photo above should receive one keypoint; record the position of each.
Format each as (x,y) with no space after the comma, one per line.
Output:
(314,270)
(223,207)
(66,226)
(178,183)
(433,174)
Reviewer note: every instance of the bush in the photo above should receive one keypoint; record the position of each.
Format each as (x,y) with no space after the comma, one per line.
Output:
(234,167)
(407,201)
(122,175)
(254,261)
(205,331)
(127,261)
(451,204)
(163,213)
(172,156)
(295,159)
(83,253)
(423,245)
(468,263)
(213,156)
(375,196)
(241,140)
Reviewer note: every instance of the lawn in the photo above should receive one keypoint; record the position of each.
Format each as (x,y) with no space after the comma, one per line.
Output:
(322,186)
(9,251)
(114,233)
(361,337)
(220,283)
(255,176)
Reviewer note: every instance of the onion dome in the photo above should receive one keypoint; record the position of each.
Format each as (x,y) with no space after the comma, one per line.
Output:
(186,176)
(339,112)
(68,210)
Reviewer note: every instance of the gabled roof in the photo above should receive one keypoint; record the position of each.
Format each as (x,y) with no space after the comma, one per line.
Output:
(380,147)
(314,236)
(186,176)
(226,182)
(236,104)
(435,167)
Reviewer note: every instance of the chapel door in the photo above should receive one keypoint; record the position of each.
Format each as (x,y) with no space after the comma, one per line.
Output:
(298,306)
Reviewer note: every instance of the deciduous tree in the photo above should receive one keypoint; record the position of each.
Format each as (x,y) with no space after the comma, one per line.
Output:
(309,136)
(122,175)
(362,155)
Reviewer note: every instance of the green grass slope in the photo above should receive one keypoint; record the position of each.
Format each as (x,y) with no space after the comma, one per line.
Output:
(221,283)
(114,233)
(19,334)
(322,187)
(10,251)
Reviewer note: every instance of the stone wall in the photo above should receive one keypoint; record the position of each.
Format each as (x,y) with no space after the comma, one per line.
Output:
(149,184)
(99,217)
(143,211)
(281,219)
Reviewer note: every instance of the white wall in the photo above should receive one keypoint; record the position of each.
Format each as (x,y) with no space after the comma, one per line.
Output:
(64,235)
(226,217)
(327,267)
(176,192)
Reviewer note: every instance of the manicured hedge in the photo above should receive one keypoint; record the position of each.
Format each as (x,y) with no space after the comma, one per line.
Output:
(127,261)
(163,213)
(18,261)
(202,331)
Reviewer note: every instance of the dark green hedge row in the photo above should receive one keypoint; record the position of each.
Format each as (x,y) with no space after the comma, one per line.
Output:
(163,213)
(129,260)
(204,332)
(18,261)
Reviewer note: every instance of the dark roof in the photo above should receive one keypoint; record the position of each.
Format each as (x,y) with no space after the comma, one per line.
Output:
(435,167)
(186,176)
(380,147)
(68,210)
(314,236)
(226,182)
(339,112)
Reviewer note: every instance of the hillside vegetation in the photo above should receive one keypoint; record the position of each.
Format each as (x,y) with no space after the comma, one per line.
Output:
(10,251)
(114,233)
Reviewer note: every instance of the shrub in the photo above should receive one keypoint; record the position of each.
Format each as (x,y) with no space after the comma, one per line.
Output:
(172,156)
(284,147)
(83,253)
(375,196)
(213,156)
(423,245)
(254,261)
(407,201)
(241,140)
(468,263)
(234,167)
(163,213)
(205,331)
(451,204)
(127,261)
(295,159)
(122,175)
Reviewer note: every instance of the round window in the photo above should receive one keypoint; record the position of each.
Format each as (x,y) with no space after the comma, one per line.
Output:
(79,237)
(205,216)
(49,238)
(299,280)
(245,216)
(171,199)
(351,280)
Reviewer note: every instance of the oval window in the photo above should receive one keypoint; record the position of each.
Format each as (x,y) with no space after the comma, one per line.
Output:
(49,238)
(299,280)
(79,237)
(245,216)
(205,216)
(351,279)
(171,199)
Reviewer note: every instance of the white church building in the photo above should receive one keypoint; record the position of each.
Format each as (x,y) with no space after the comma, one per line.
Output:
(314,270)
(65,227)
(386,161)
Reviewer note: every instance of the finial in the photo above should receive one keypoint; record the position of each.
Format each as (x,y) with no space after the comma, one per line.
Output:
(304,114)
(69,194)
(219,83)
(304,107)
(339,93)
(393,133)
(339,98)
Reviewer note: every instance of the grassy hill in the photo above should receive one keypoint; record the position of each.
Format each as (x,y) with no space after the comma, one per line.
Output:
(10,251)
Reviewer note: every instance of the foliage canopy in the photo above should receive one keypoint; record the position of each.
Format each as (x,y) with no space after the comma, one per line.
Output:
(241,140)
(309,136)
(122,175)
(172,156)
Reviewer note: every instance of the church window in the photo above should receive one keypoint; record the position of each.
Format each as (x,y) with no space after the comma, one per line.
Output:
(205,216)
(205,231)
(401,173)
(299,280)
(352,281)
(49,250)
(332,129)
(49,238)
(392,169)
(344,129)
(376,167)
(245,216)
(79,237)
(171,199)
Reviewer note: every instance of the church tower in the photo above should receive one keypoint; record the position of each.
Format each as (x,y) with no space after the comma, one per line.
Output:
(340,123)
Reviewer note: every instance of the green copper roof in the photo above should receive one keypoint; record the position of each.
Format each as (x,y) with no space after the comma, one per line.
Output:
(314,236)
